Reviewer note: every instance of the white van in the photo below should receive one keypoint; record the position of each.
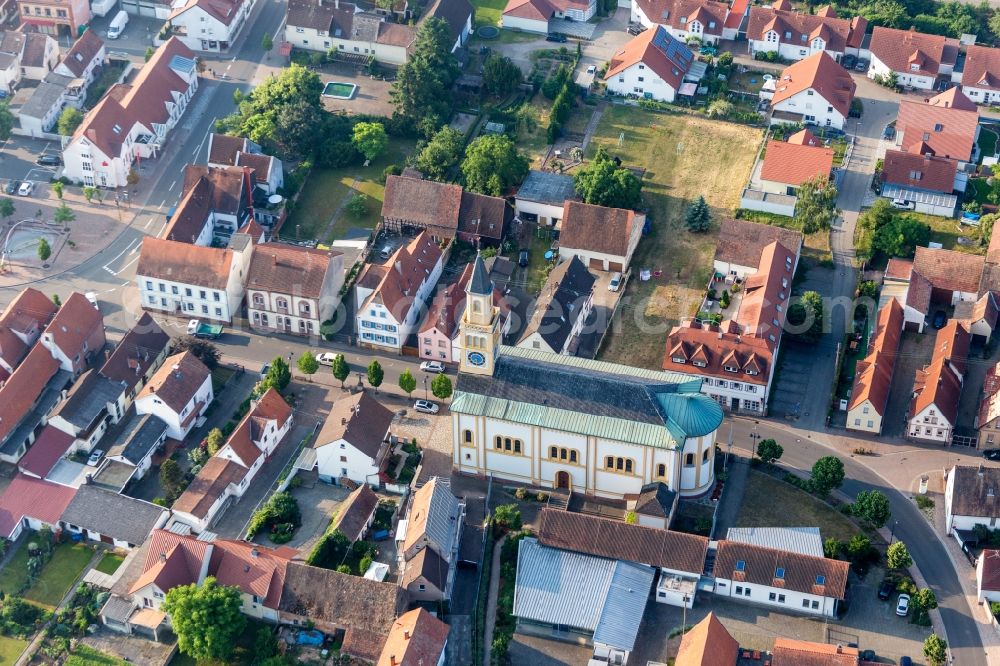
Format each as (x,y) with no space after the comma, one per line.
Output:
(117,25)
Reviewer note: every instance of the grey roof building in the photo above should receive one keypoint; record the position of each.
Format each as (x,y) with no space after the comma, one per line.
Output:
(801,540)
(596,598)
(87,401)
(141,435)
(547,188)
(561,308)
(107,514)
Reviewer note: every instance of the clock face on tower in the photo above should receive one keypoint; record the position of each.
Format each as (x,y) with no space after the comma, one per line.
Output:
(476,358)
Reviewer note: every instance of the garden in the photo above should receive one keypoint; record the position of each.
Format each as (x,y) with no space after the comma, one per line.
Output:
(43,570)
(402,466)
(279,517)
(335,551)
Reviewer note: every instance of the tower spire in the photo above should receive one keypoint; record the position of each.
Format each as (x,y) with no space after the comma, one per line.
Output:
(480,283)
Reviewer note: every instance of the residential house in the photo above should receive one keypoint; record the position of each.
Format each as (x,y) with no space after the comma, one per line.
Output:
(428,544)
(707,643)
(228,474)
(776,179)
(138,441)
(679,558)
(561,309)
(911,289)
(40,55)
(970,499)
(178,394)
(269,172)
(88,410)
(27,397)
(953,276)
(21,325)
(390,297)
(980,317)
(988,416)
(11,48)
(208,25)
(736,357)
(873,374)
(416,638)
(215,203)
(948,124)
(354,441)
(534,15)
(780,578)
(75,336)
(46,451)
(483,220)
(704,20)
(922,178)
(108,517)
(40,112)
(988,576)
(55,17)
(542,197)
(814,91)
(796,35)
(413,203)
(601,238)
(937,387)
(32,503)
(980,78)
(599,602)
(918,60)
(87,54)
(498,429)
(652,65)
(132,120)
(355,516)
(193,281)
(293,289)
(139,354)
(791,651)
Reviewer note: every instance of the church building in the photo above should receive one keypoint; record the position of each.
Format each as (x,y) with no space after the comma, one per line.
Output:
(563,422)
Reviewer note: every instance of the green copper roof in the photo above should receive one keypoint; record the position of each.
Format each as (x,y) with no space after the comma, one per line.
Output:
(695,414)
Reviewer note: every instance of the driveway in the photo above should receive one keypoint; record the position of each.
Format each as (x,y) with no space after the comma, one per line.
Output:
(915,351)
(609,36)
(318,505)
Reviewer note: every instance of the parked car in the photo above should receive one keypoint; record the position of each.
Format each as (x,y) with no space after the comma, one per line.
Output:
(385,252)
(885,589)
(95,457)
(264,369)
(48,160)
(862,65)
(849,61)
(426,407)
(555,37)
(635,30)
(889,132)
(991,454)
(905,661)
(432,366)
(940,319)
(522,259)
(903,204)
(867,655)
(592,69)
(903,605)
(12,186)
(326,358)
(26,188)
(616,282)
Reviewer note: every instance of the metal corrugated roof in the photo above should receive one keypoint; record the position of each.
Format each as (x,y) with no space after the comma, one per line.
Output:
(802,540)
(624,606)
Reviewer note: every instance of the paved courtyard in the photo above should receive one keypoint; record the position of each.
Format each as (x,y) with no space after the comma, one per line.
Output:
(915,351)
(371,96)
(134,649)
(318,505)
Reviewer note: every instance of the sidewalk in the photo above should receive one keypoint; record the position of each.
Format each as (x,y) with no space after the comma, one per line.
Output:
(491,602)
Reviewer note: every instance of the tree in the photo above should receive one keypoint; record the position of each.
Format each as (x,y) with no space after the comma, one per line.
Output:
(698,218)
(214,441)
(7,121)
(420,93)
(441,387)
(923,601)
(44,249)
(370,139)
(89,193)
(57,189)
(831,548)
(63,214)
(6,207)
(278,376)
(206,618)
(984,232)
(203,350)
(375,374)
(340,369)
(805,317)
(308,365)
(872,506)
(441,154)
(407,382)
(889,13)
(500,75)
(57,300)
(858,547)
(720,108)
(149,53)
(357,205)
(507,517)
(827,474)
(897,556)
(267,43)
(132,177)
(769,450)
(171,477)
(604,183)
(901,236)
(817,204)
(492,164)
(69,120)
(936,649)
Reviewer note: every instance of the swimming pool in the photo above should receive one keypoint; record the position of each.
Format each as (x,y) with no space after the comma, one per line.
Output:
(339,90)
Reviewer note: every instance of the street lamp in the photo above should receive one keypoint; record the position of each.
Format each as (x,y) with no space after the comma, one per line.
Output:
(892,532)
(426,396)
(755,437)
(684,620)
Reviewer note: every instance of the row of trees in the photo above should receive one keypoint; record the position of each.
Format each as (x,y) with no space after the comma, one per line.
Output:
(441,385)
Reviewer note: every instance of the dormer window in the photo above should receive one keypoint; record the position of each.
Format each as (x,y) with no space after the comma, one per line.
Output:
(699,364)
(938,127)
(914,67)
(684,20)
(678,359)
(820,580)
(779,573)
(788,34)
(117,129)
(730,368)
(751,372)
(711,25)
(741,565)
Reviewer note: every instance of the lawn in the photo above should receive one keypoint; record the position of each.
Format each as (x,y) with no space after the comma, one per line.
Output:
(987,143)
(684,156)
(764,494)
(220,377)
(84,655)
(948,231)
(68,561)
(488,12)
(109,563)
(11,649)
(815,246)
(327,191)
(14,573)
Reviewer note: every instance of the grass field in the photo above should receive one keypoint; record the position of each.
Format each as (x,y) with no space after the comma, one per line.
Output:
(987,143)
(11,649)
(68,561)
(109,563)
(488,12)
(326,191)
(948,231)
(798,509)
(683,156)
(88,656)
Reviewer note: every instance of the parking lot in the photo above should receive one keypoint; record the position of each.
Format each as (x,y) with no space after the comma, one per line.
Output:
(17,160)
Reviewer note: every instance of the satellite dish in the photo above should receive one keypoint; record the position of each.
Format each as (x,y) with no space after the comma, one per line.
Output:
(274,199)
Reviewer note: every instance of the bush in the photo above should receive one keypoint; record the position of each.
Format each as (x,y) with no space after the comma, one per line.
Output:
(281,513)
(391,170)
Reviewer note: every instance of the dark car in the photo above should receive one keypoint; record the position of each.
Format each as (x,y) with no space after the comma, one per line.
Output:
(12,186)
(522,259)
(867,655)
(940,318)
(862,65)
(889,132)
(905,661)
(555,37)
(848,61)
(886,589)
(991,454)
(48,160)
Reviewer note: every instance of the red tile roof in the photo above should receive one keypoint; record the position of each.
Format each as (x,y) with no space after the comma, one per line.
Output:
(83,52)
(937,385)
(708,643)
(208,486)
(790,652)
(398,280)
(224,11)
(448,305)
(670,12)
(541,10)
(794,164)
(873,376)
(899,49)
(837,32)
(949,131)
(243,441)
(801,571)
(949,269)
(742,242)
(821,73)
(765,294)
(736,13)
(43,455)
(991,570)
(953,98)
(184,263)
(952,343)
(658,50)
(352,516)
(360,420)
(982,68)
(717,351)
(177,381)
(922,172)
(78,327)
(416,638)
(423,202)
(596,228)
(35,498)
(24,387)
(290,269)
(899,269)
(30,311)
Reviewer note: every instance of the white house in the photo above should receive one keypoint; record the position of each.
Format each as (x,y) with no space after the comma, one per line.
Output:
(178,393)
(815,91)
(83,58)
(194,281)
(391,296)
(21,324)
(917,59)
(428,544)
(796,35)
(704,20)
(798,582)
(208,25)
(132,120)
(106,516)
(40,55)
(873,376)
(75,336)
(980,78)
(561,309)
(542,197)
(651,65)
(11,48)
(354,441)
(224,150)
(534,15)
(293,289)
(602,238)
(970,499)
(937,387)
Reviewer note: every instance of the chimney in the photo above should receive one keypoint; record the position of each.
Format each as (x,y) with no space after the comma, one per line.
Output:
(343,420)
(254,553)
(406,634)
(392,660)
(163,557)
(840,649)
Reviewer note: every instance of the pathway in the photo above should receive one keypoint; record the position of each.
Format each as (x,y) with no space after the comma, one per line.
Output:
(491,601)
(328,229)
(595,119)
(737,471)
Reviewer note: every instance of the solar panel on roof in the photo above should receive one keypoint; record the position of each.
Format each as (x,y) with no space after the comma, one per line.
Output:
(672,48)
(182,64)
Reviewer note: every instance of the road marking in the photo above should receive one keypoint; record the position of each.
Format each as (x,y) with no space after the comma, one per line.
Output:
(120,270)
(119,255)
(197,150)
(172,185)
(148,222)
